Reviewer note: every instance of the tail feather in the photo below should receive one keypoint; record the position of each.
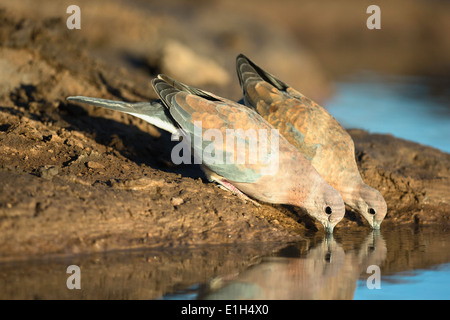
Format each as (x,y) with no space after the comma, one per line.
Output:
(151,112)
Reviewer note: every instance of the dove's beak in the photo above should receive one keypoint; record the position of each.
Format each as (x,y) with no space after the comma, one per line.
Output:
(376,224)
(329,227)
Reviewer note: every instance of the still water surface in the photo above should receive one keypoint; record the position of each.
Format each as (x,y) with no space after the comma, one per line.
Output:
(412,108)
(414,263)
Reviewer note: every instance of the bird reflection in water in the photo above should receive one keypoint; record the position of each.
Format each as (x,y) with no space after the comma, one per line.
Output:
(326,271)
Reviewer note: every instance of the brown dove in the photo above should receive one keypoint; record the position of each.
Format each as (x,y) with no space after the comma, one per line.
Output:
(315,133)
(281,176)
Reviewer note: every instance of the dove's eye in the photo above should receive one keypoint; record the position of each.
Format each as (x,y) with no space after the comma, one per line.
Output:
(371,211)
(328,210)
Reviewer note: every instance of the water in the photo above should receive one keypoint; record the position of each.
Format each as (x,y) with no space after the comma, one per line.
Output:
(419,269)
(414,263)
(431,284)
(412,108)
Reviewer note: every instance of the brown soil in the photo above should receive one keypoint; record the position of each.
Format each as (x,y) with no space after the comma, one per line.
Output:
(80,179)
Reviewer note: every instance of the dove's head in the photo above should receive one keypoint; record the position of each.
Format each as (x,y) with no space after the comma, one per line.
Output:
(326,205)
(369,203)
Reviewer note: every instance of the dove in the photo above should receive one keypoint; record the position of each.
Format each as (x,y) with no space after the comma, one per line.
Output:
(281,176)
(315,133)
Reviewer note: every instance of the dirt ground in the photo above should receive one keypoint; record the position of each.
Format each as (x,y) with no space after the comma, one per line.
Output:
(76,179)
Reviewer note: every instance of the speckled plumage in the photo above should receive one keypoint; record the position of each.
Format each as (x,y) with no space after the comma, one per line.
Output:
(294,182)
(313,131)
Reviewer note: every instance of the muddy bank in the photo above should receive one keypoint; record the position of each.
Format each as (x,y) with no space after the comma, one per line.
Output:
(414,179)
(78,179)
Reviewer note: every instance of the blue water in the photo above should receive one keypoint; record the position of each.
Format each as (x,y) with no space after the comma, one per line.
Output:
(431,284)
(411,264)
(406,107)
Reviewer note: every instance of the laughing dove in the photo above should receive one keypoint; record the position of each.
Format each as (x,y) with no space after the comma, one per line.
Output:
(281,176)
(313,131)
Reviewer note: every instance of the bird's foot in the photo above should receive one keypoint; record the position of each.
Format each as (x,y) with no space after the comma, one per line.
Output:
(225,185)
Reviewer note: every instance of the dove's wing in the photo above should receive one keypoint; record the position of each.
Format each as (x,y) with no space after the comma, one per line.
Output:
(202,114)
